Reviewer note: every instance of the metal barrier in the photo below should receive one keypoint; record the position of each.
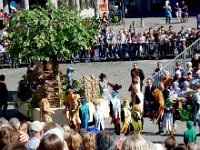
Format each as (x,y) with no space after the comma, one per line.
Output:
(183,57)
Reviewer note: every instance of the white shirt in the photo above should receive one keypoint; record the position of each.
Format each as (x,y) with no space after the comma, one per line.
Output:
(2,49)
(175,92)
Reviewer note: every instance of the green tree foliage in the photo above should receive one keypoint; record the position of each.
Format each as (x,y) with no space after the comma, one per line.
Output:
(46,33)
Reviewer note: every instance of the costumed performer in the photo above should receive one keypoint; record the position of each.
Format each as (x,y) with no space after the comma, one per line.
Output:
(69,72)
(159,107)
(45,112)
(115,108)
(72,109)
(99,115)
(104,86)
(84,114)
(136,120)
(167,123)
(125,116)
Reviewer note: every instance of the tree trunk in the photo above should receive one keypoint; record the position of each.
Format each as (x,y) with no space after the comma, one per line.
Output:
(55,66)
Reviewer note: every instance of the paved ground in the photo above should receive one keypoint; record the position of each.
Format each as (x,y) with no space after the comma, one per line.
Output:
(117,72)
(155,22)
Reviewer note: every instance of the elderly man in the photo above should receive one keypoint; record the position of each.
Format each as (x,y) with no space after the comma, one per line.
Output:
(178,78)
(185,90)
(175,91)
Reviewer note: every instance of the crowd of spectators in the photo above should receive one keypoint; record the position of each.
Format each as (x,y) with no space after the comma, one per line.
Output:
(16,135)
(126,43)
(181,87)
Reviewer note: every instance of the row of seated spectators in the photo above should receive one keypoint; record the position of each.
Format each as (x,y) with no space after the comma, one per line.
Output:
(16,135)
(128,43)
(184,82)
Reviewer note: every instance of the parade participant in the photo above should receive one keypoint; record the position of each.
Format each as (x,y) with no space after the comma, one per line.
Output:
(148,98)
(159,107)
(3,94)
(167,123)
(136,120)
(73,112)
(99,117)
(137,72)
(45,112)
(69,77)
(190,134)
(134,89)
(165,91)
(125,116)
(84,114)
(104,87)
(115,108)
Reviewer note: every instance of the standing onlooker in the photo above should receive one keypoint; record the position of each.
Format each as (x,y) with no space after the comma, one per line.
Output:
(148,98)
(198,21)
(176,9)
(168,13)
(3,94)
(179,15)
(185,11)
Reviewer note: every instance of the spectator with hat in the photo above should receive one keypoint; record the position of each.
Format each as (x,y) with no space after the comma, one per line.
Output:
(35,132)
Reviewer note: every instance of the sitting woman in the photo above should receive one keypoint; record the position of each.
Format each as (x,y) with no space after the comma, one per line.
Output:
(166,79)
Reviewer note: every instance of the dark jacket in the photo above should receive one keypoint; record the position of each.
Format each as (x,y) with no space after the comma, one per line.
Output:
(140,74)
(3,92)
(148,93)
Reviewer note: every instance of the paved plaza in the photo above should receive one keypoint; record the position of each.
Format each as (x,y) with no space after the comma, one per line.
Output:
(117,72)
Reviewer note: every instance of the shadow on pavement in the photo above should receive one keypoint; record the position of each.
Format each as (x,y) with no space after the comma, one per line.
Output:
(14,113)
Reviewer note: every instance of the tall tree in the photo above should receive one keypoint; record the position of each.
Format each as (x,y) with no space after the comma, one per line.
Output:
(49,33)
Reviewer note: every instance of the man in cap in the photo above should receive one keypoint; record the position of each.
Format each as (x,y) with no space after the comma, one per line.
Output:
(35,131)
